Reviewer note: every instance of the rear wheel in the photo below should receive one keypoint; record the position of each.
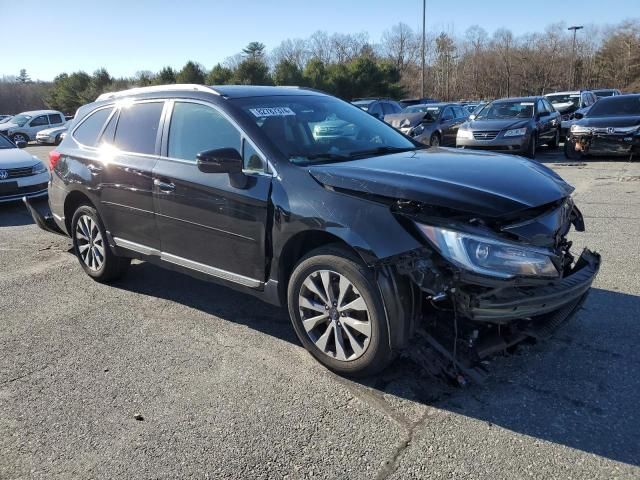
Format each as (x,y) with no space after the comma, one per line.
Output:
(90,246)
(57,140)
(434,141)
(337,312)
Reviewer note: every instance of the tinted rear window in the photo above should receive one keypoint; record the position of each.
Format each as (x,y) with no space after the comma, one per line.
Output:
(88,131)
(138,127)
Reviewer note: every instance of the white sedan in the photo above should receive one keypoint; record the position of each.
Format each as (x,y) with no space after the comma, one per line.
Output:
(21,174)
(51,136)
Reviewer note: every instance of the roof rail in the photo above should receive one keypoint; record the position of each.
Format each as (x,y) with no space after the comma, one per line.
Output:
(156,88)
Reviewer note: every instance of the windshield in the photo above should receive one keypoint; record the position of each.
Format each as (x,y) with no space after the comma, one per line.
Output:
(317,129)
(20,120)
(499,110)
(5,142)
(572,98)
(435,111)
(617,105)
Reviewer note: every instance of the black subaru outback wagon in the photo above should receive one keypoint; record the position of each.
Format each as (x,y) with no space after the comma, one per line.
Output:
(365,234)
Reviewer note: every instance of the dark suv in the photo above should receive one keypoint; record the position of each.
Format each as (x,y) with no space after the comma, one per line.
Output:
(365,236)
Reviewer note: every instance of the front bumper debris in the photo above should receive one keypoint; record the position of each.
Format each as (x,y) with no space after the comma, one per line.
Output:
(504,304)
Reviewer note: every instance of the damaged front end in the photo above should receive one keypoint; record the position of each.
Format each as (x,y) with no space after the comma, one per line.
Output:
(487,284)
(603,141)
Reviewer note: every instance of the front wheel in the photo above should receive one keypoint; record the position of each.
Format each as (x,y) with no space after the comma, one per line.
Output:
(337,312)
(532,146)
(19,137)
(556,140)
(570,151)
(90,246)
(434,141)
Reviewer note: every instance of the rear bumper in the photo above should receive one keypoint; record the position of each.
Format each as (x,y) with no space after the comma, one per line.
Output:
(45,222)
(504,305)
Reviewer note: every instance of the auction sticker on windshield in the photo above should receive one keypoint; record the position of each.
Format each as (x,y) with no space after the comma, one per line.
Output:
(272,111)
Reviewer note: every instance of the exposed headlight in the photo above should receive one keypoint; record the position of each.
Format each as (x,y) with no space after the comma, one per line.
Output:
(488,256)
(38,168)
(417,130)
(580,129)
(465,134)
(516,132)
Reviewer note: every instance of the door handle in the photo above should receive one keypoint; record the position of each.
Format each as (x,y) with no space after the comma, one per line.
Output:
(164,186)
(94,169)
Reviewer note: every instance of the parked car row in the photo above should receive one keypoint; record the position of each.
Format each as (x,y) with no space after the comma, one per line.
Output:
(43,126)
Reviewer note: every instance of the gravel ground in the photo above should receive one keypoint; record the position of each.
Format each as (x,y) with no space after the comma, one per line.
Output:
(164,376)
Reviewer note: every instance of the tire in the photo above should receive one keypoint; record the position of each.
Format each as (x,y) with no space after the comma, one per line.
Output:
(17,137)
(434,141)
(349,341)
(555,143)
(570,151)
(532,146)
(57,140)
(91,249)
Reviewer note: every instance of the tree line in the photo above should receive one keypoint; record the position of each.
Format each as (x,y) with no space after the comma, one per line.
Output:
(474,65)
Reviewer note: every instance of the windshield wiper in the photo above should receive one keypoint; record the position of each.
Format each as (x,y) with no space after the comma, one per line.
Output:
(332,157)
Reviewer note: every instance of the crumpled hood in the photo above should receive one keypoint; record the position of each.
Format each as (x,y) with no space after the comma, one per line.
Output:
(401,120)
(480,183)
(497,124)
(16,158)
(617,121)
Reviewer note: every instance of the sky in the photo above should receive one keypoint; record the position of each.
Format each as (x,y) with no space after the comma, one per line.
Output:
(48,38)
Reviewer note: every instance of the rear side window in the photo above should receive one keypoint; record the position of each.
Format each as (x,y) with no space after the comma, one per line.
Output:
(138,127)
(88,131)
(55,118)
(197,128)
(39,121)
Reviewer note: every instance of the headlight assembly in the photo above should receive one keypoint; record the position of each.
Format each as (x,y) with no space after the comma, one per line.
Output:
(38,168)
(465,134)
(489,256)
(415,131)
(516,132)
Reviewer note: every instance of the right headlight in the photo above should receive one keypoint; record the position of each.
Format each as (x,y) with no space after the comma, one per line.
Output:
(580,129)
(516,132)
(489,256)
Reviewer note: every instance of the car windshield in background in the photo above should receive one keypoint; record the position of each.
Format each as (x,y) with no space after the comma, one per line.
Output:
(318,129)
(498,110)
(5,143)
(568,99)
(433,111)
(617,105)
(20,120)
(603,93)
(364,105)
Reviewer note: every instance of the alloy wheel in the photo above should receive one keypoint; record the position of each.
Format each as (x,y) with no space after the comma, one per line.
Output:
(90,243)
(334,315)
(18,137)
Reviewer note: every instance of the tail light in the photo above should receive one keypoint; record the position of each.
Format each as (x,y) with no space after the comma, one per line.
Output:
(54,156)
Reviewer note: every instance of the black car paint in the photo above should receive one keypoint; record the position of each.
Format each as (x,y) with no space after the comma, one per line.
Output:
(256,230)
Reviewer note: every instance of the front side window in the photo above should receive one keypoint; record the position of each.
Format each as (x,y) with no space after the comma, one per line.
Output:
(447,114)
(137,127)
(315,129)
(196,128)
(88,131)
(39,121)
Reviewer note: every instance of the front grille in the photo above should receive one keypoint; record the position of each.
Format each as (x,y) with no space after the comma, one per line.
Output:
(20,172)
(24,190)
(486,134)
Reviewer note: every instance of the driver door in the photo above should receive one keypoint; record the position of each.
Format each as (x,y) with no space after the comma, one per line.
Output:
(448,127)
(212,222)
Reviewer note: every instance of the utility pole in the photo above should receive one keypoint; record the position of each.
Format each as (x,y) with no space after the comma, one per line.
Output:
(575,28)
(424,13)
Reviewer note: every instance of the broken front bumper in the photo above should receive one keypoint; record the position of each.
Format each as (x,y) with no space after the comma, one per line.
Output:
(506,303)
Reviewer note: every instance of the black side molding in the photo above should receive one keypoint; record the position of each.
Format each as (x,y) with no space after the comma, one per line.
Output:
(44,222)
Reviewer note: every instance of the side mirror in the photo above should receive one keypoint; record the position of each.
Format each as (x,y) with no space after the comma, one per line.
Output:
(21,144)
(220,160)
(578,115)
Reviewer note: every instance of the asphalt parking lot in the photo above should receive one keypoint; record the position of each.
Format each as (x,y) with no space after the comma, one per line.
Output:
(224,390)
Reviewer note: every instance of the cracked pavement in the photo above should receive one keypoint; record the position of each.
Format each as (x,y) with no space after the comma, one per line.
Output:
(224,389)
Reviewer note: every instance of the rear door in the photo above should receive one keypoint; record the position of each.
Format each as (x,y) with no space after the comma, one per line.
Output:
(448,126)
(212,222)
(130,146)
